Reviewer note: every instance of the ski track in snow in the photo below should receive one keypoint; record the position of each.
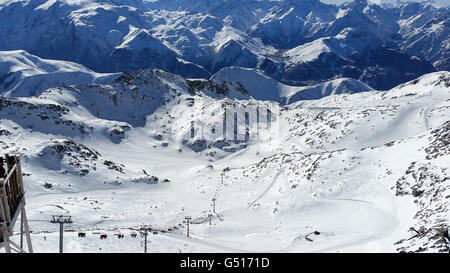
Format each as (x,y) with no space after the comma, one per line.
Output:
(390,223)
(274,180)
(274,193)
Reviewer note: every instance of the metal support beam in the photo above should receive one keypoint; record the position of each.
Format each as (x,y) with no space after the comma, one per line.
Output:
(61,237)
(188,220)
(61,220)
(145,230)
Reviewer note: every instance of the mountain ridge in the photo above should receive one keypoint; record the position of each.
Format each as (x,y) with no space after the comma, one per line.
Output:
(257,34)
(372,164)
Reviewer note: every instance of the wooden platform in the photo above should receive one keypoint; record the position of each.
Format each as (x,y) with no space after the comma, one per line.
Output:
(12,205)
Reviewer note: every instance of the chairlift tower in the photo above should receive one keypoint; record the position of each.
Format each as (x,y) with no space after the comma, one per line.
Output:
(210,217)
(214,204)
(144,231)
(12,204)
(188,220)
(61,220)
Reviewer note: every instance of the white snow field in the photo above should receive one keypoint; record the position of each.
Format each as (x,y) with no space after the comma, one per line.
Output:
(23,74)
(344,173)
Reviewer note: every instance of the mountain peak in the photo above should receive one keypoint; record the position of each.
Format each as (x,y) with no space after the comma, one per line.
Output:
(359,4)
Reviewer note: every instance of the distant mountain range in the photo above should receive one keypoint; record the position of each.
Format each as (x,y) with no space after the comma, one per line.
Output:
(298,43)
(314,127)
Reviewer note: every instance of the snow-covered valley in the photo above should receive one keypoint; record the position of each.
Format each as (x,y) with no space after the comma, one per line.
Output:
(345,173)
(277,126)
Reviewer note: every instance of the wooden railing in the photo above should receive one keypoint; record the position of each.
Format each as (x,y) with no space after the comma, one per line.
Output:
(11,191)
(12,204)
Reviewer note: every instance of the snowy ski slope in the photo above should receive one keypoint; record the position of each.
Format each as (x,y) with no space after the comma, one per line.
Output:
(344,173)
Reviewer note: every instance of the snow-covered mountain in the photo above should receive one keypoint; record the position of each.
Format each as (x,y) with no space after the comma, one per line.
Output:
(425,31)
(315,127)
(381,46)
(361,172)
(23,74)
(105,36)
(262,87)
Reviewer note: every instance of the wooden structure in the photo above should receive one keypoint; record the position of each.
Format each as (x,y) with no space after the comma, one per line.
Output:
(12,204)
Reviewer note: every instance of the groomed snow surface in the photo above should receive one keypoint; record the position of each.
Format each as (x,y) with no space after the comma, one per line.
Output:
(344,173)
